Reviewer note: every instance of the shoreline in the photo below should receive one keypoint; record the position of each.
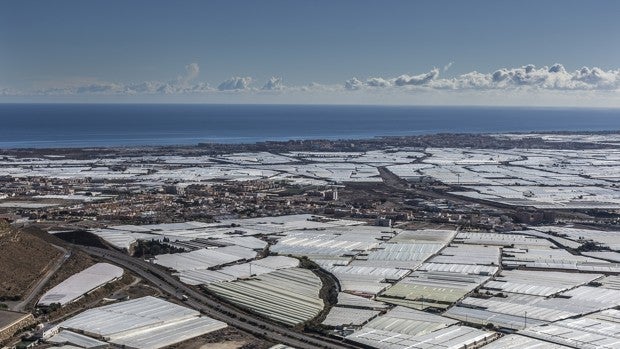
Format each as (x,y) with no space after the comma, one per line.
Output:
(128,126)
(495,140)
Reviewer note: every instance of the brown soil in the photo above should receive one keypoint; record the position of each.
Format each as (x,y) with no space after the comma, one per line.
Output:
(227,338)
(73,265)
(24,259)
(137,291)
(224,345)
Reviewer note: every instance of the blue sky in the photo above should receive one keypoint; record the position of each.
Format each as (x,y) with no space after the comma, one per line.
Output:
(187,50)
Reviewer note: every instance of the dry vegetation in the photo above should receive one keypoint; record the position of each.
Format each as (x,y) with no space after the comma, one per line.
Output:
(228,338)
(24,259)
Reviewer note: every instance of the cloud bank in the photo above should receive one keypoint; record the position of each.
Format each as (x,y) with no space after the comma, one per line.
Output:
(183,84)
(525,85)
(555,77)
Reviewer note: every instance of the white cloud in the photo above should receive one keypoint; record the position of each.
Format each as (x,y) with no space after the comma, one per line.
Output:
(273,84)
(378,82)
(447,66)
(191,72)
(403,80)
(525,85)
(417,80)
(597,77)
(353,84)
(235,83)
(555,77)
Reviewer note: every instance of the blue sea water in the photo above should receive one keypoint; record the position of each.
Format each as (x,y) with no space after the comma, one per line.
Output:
(94,125)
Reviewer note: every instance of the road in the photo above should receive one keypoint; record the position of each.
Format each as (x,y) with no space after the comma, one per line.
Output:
(39,285)
(401,185)
(223,312)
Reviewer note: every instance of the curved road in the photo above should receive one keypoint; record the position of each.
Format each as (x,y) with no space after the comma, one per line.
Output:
(34,291)
(212,308)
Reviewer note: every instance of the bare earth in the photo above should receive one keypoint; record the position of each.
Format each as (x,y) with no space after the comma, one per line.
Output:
(24,259)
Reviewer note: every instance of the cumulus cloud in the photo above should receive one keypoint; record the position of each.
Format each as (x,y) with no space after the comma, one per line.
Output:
(447,66)
(235,83)
(528,82)
(191,72)
(598,77)
(555,77)
(417,80)
(403,80)
(378,82)
(353,84)
(273,84)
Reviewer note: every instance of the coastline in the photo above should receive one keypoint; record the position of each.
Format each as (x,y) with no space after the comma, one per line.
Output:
(507,140)
(118,126)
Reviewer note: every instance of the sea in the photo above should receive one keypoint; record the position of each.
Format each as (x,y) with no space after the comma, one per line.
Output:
(124,125)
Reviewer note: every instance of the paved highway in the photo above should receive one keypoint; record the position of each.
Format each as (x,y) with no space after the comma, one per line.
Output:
(223,312)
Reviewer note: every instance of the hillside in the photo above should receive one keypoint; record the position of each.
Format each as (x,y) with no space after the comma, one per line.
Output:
(24,259)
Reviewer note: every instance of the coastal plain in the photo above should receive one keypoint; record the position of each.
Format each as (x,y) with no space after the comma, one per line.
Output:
(510,240)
